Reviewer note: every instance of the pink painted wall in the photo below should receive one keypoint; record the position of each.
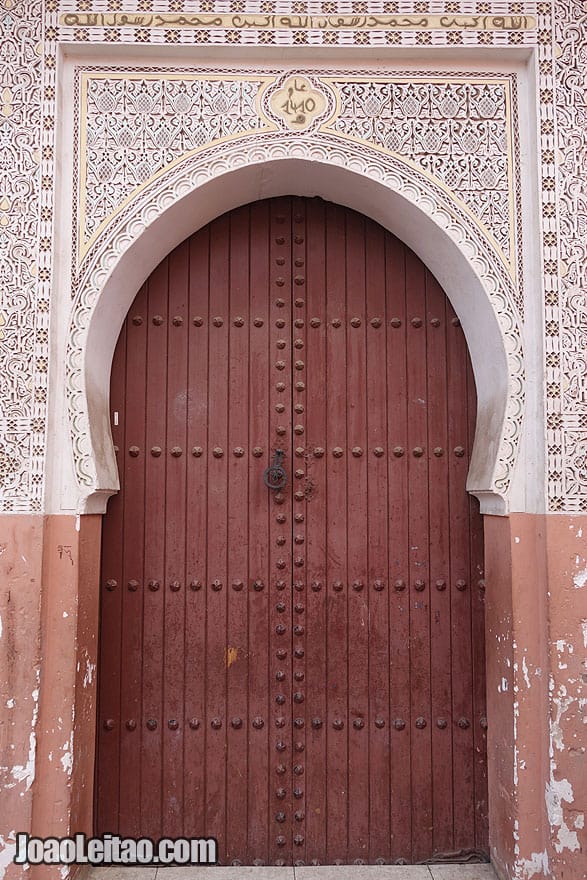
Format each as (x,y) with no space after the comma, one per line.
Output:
(566,787)
(49,609)
(535,566)
(536,621)
(21,544)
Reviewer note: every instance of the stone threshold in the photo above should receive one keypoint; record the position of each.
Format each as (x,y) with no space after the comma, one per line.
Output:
(327,872)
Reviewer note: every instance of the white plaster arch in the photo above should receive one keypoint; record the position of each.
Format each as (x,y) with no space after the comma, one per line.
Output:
(410,205)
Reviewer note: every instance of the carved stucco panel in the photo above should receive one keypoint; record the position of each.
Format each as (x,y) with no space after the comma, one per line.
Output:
(458,130)
(26,192)
(565,88)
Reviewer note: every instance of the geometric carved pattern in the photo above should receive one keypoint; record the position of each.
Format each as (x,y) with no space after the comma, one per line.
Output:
(134,125)
(567,345)
(456,131)
(137,125)
(24,201)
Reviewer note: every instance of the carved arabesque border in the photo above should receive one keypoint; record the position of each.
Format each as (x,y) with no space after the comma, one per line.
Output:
(321,147)
(26,194)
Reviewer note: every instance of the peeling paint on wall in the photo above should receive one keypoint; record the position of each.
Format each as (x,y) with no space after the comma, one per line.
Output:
(89,673)
(558,791)
(516,750)
(580,579)
(561,701)
(536,864)
(7,851)
(67,757)
(525,671)
(26,772)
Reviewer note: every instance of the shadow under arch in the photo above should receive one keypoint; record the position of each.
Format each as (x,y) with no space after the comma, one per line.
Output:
(465,263)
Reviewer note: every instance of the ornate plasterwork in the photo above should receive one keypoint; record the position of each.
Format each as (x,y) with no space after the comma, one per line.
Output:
(198,168)
(458,130)
(25,200)
(450,135)
(564,93)
(300,22)
(134,126)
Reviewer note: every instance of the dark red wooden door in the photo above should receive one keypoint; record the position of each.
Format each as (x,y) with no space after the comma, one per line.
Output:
(297,672)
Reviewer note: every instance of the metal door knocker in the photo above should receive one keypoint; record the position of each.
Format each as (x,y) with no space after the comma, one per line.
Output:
(275,476)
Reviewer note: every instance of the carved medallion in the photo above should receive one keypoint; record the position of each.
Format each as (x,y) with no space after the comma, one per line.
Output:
(297,103)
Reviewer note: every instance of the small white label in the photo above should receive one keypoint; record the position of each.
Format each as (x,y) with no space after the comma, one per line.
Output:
(115,419)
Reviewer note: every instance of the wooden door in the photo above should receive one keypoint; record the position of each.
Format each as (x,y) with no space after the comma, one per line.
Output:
(298,672)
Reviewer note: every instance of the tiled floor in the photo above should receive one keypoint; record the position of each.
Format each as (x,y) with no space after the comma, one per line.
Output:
(352,872)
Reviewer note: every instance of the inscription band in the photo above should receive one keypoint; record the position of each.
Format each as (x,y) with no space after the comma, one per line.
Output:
(301,22)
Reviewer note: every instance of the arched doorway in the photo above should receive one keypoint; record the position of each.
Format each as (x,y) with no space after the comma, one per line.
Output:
(296,671)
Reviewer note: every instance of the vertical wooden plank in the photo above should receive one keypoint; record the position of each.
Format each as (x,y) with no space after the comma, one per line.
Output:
(236,660)
(418,555)
(108,738)
(132,584)
(477,580)
(283,639)
(154,577)
(439,541)
(315,530)
(216,581)
(196,655)
(302,387)
(261,775)
(176,455)
(376,534)
(463,771)
(358,587)
(336,475)
(398,541)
